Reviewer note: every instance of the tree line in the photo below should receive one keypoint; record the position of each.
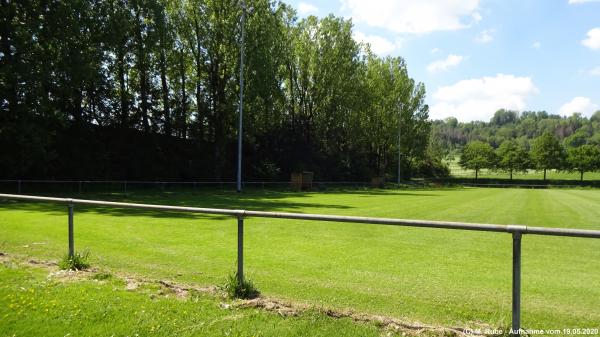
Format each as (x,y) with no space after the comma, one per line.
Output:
(450,136)
(546,153)
(147,89)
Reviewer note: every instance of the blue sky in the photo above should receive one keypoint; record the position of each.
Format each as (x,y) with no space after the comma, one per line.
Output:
(477,56)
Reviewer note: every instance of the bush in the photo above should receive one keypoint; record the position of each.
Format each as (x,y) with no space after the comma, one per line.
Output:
(78,261)
(243,290)
(431,168)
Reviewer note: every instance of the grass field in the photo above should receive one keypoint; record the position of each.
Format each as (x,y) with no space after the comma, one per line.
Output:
(459,172)
(420,275)
(36,306)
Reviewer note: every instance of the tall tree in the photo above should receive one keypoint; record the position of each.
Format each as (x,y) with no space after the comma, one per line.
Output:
(164,46)
(106,76)
(477,155)
(512,157)
(119,42)
(547,153)
(583,159)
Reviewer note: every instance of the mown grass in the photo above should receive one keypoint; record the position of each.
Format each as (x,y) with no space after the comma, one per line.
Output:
(33,305)
(427,275)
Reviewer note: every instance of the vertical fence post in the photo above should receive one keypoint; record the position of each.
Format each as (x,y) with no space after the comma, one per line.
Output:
(240,249)
(71,241)
(516,284)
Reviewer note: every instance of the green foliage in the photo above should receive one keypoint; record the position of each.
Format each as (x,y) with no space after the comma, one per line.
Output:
(78,261)
(502,117)
(478,155)
(393,103)
(164,75)
(577,139)
(432,167)
(512,157)
(547,153)
(584,159)
(574,130)
(236,289)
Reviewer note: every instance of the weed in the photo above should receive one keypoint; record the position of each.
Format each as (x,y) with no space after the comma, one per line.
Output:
(236,289)
(78,261)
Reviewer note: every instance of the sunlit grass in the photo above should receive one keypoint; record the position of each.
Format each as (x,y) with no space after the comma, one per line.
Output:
(428,275)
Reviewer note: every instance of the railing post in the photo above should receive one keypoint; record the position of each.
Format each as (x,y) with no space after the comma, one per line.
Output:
(516,284)
(71,241)
(240,249)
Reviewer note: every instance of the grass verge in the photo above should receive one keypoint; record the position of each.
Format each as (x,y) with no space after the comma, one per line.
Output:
(33,303)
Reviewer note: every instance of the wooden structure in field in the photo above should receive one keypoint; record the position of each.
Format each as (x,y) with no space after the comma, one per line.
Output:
(301,180)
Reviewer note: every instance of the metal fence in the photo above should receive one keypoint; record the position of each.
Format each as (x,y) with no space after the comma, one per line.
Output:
(517,231)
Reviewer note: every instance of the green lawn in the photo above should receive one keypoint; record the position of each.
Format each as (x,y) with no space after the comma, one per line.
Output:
(421,275)
(33,305)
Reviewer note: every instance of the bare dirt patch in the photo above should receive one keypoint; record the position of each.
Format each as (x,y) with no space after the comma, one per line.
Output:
(387,323)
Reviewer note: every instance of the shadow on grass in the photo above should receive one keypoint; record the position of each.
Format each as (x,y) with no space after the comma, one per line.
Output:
(263,201)
(390,193)
(257,200)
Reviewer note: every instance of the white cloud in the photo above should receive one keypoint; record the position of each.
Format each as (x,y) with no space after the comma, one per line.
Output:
(414,16)
(444,65)
(595,71)
(306,9)
(593,39)
(536,45)
(435,50)
(485,36)
(575,2)
(379,44)
(479,98)
(579,104)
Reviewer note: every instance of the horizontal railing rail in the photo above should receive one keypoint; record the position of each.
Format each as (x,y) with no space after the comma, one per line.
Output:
(516,230)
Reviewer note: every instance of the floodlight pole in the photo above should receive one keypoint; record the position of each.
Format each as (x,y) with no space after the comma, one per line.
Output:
(241,107)
(399,142)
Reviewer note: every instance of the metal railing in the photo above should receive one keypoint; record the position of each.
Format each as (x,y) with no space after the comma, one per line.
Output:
(517,231)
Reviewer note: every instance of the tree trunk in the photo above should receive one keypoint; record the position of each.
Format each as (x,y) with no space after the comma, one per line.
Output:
(165,92)
(181,122)
(141,65)
(581,179)
(544,174)
(122,88)
(511,175)
(198,57)
(476,174)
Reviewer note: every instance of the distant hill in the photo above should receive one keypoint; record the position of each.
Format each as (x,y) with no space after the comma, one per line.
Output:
(450,135)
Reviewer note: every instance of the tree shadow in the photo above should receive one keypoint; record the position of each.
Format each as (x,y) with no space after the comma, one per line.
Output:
(251,199)
(263,201)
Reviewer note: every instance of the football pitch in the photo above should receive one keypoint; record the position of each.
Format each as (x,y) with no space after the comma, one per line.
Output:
(431,276)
